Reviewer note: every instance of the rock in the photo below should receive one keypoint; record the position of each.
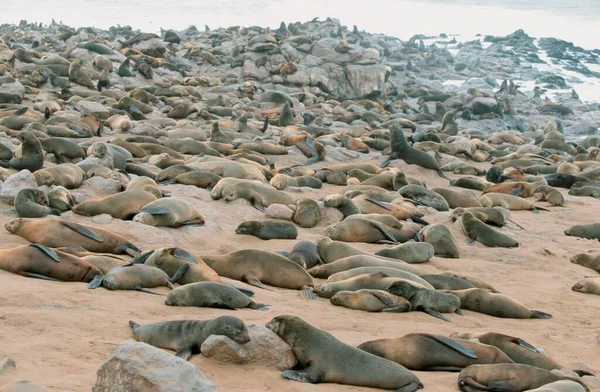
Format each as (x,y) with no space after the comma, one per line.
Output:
(152,47)
(250,71)
(12,92)
(23,386)
(135,366)
(79,197)
(102,218)
(458,67)
(6,363)
(279,211)
(483,105)
(551,80)
(94,108)
(103,185)
(16,182)
(264,348)
(592,382)
(365,80)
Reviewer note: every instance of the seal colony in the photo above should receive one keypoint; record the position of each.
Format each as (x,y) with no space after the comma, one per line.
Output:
(235,169)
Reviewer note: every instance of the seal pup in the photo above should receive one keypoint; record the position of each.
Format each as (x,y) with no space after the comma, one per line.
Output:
(363,260)
(268,229)
(370,301)
(33,203)
(137,277)
(169,212)
(306,254)
(560,386)
(211,295)
(478,231)
(429,352)
(442,239)
(60,199)
(39,261)
(124,205)
(591,261)
(56,233)
(495,304)
(590,231)
(326,359)
(400,149)
(170,260)
(427,300)
(588,285)
(66,175)
(507,377)
(185,337)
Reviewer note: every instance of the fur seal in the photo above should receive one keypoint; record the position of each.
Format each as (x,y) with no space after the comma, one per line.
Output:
(427,300)
(560,386)
(456,199)
(260,195)
(326,359)
(478,231)
(201,179)
(67,175)
(170,260)
(56,233)
(410,252)
(428,352)
(374,281)
(443,241)
(588,190)
(211,295)
(32,155)
(363,260)
(392,272)
(369,230)
(424,196)
(468,183)
(268,229)
(185,337)
(591,261)
(344,204)
(590,231)
(33,203)
(497,216)
(308,213)
(62,148)
(507,377)
(136,277)
(305,254)
(510,202)
(169,212)
(496,304)
(400,149)
(145,184)
(588,285)
(39,261)
(60,199)
(447,282)
(330,250)
(77,74)
(370,301)
(259,268)
(124,205)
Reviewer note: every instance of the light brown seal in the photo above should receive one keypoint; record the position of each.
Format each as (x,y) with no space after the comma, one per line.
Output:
(169,212)
(496,304)
(124,205)
(510,202)
(442,239)
(457,199)
(374,281)
(260,195)
(136,277)
(170,260)
(32,155)
(364,260)
(588,285)
(185,337)
(66,175)
(60,199)
(370,301)
(591,261)
(326,359)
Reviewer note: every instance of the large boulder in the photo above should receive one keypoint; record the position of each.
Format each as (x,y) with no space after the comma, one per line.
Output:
(264,348)
(139,367)
(483,105)
(152,47)
(23,386)
(12,92)
(365,80)
(16,182)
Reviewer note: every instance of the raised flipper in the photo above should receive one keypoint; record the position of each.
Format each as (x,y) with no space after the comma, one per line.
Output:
(49,252)
(454,345)
(421,221)
(82,230)
(184,255)
(383,298)
(312,160)
(300,375)
(40,276)
(441,174)
(184,353)
(180,272)
(435,313)
(155,210)
(385,232)
(380,204)
(257,283)
(96,282)
(141,258)
(459,312)
(517,190)
(536,314)
(386,162)
(259,207)
(261,307)
(145,290)
(525,344)
(307,293)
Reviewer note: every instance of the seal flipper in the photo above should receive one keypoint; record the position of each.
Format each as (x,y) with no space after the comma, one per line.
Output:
(378,203)
(255,282)
(59,158)
(435,313)
(525,345)
(307,293)
(145,290)
(259,207)
(180,272)
(312,160)
(261,307)
(420,221)
(49,252)
(385,163)
(384,299)
(441,174)
(536,314)
(40,276)
(184,255)
(517,190)
(516,224)
(141,258)
(397,309)
(385,232)
(246,292)
(301,375)
(82,230)
(454,345)
(193,223)
(154,210)
(96,282)
(132,250)
(133,324)
(459,312)
(184,353)
(412,387)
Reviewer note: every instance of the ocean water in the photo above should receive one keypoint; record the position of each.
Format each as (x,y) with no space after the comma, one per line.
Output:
(576,21)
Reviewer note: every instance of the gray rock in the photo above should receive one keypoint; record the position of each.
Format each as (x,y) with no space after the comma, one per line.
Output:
(94,108)
(16,182)
(152,47)
(279,211)
(264,348)
(23,386)
(102,218)
(103,185)
(483,105)
(146,130)
(365,80)
(135,366)
(6,363)
(250,71)
(14,88)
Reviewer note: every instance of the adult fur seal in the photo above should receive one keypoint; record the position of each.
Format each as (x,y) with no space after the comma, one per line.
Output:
(260,195)
(32,155)
(591,261)
(374,281)
(326,359)
(136,277)
(510,202)
(427,300)
(495,304)
(33,203)
(423,351)
(60,199)
(170,260)
(268,229)
(259,268)
(590,231)
(186,336)
(124,205)
(364,260)
(306,254)
(507,377)
(370,301)
(39,261)
(211,295)
(169,212)
(308,213)
(441,238)
(478,231)
(56,233)
(410,252)
(402,150)
(66,175)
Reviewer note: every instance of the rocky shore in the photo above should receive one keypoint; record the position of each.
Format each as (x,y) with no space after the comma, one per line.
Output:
(198,143)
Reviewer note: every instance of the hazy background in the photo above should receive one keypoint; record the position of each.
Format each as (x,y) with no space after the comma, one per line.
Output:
(576,21)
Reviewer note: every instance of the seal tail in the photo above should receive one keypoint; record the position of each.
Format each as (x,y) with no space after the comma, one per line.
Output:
(536,314)
(441,174)
(133,324)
